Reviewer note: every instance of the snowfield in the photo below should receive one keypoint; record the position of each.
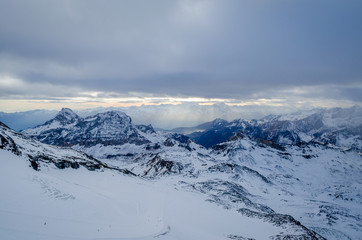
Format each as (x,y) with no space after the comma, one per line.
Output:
(79,204)
(150,185)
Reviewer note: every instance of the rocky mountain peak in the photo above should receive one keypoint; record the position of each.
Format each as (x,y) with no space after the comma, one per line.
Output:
(66,116)
(68,129)
(146,129)
(113,116)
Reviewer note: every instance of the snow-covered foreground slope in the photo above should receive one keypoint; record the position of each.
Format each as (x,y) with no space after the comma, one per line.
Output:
(318,185)
(80,204)
(240,189)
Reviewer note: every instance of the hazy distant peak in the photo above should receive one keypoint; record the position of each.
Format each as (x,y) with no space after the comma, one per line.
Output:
(219,121)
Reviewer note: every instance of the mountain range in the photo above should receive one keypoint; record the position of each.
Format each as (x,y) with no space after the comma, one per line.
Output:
(280,177)
(336,126)
(68,129)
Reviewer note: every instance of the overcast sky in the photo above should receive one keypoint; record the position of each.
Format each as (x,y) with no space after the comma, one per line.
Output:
(123,53)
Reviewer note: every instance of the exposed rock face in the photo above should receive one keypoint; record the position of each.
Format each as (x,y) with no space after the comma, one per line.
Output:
(109,128)
(148,129)
(158,166)
(282,220)
(7,143)
(40,154)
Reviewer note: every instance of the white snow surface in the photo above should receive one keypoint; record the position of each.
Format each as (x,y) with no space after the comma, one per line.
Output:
(79,204)
(320,186)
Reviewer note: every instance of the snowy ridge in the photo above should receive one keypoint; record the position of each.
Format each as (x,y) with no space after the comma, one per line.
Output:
(42,155)
(65,118)
(319,185)
(336,126)
(68,129)
(78,204)
(307,189)
(108,135)
(125,207)
(316,184)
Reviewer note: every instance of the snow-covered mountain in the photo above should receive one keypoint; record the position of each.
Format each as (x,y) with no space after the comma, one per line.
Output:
(336,126)
(305,189)
(108,135)
(317,184)
(68,129)
(74,203)
(39,154)
(320,186)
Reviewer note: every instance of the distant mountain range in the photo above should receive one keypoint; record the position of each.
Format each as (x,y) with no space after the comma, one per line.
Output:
(160,116)
(336,126)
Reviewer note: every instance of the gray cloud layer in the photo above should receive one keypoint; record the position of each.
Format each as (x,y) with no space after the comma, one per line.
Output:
(214,49)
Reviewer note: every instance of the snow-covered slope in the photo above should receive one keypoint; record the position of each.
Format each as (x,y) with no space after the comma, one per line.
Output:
(39,154)
(320,186)
(308,189)
(74,203)
(78,204)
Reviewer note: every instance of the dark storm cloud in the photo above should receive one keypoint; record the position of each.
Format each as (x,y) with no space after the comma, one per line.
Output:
(226,49)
